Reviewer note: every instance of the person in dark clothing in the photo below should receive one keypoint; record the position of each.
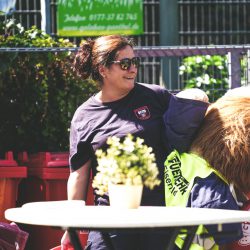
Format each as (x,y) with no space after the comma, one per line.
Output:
(122,106)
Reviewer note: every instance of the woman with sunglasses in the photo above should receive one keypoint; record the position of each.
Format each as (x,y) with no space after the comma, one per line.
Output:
(122,106)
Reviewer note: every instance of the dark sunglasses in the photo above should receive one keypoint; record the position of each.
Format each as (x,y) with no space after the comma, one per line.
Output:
(125,63)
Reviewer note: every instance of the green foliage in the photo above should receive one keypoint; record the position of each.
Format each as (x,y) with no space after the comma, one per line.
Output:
(129,162)
(209,73)
(39,92)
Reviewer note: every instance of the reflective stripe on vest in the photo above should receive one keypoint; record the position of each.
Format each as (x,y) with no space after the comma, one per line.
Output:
(180,173)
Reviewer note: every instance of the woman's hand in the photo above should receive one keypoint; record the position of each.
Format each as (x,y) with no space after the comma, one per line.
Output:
(195,94)
(65,241)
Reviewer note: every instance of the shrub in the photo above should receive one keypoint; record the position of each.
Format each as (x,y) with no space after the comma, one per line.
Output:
(38,91)
(209,73)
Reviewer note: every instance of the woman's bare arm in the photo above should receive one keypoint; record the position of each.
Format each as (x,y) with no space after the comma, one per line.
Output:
(78,182)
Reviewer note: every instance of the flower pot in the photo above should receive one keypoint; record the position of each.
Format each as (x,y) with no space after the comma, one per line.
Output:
(125,196)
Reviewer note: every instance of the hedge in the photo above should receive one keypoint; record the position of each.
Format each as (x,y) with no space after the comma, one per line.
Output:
(39,91)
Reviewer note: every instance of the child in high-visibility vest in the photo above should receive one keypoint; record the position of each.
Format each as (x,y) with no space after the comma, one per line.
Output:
(217,162)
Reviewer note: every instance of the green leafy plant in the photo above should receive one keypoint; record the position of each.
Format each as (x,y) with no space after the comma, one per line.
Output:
(129,162)
(39,91)
(209,73)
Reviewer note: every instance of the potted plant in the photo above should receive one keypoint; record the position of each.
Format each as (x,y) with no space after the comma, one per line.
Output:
(123,169)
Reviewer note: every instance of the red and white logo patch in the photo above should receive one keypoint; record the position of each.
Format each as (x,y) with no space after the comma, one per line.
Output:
(142,113)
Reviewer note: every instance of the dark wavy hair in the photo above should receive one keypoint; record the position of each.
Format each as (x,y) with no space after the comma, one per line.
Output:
(224,137)
(101,51)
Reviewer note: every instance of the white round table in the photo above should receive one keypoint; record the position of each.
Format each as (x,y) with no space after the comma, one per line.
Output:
(72,215)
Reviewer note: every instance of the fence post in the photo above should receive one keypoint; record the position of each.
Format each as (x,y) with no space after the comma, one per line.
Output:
(169,36)
(46,14)
(234,69)
(248,67)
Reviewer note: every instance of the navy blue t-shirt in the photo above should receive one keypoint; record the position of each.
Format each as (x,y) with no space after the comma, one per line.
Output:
(139,113)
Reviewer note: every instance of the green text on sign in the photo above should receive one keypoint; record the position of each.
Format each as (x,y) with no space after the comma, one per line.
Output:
(99,17)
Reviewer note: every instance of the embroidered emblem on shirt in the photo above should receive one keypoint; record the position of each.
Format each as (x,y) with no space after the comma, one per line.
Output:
(142,113)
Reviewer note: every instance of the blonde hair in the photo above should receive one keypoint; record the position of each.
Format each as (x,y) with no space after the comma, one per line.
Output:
(224,137)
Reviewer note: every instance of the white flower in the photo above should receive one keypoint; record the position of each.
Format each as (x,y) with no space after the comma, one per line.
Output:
(126,162)
(182,68)
(206,79)
(198,59)
(199,81)
(20,28)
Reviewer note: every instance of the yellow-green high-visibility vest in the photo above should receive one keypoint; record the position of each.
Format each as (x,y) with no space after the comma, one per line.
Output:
(179,175)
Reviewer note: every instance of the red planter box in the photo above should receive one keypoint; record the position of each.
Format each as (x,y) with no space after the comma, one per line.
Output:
(10,176)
